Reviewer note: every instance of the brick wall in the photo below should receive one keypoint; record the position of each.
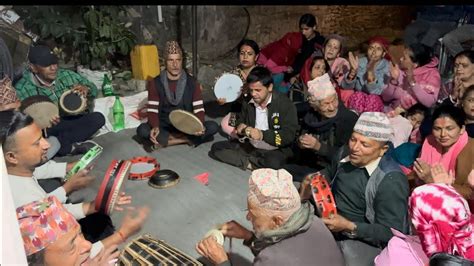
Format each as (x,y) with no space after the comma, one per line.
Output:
(269,23)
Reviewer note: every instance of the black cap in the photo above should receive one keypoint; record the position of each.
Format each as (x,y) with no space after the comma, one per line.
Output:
(41,55)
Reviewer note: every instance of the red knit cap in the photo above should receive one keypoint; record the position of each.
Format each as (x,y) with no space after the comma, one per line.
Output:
(384,42)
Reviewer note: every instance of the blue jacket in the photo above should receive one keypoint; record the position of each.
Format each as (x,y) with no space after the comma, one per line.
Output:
(359,83)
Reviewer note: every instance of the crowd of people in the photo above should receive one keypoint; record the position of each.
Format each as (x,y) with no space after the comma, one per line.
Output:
(393,140)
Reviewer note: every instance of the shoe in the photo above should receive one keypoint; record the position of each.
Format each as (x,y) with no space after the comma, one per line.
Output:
(82,147)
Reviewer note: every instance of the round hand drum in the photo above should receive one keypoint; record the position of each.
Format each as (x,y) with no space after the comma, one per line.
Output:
(41,109)
(164,179)
(322,196)
(72,103)
(186,122)
(143,168)
(228,86)
(109,190)
(86,160)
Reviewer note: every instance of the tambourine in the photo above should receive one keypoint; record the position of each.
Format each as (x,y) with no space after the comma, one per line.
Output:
(111,184)
(186,122)
(322,196)
(164,179)
(86,160)
(72,102)
(143,168)
(147,250)
(41,109)
(228,86)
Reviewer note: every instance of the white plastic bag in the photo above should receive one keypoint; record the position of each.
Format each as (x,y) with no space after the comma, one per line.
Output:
(94,76)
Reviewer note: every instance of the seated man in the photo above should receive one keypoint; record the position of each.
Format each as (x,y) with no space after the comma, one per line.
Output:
(10,101)
(51,235)
(24,148)
(268,120)
(171,90)
(44,77)
(285,230)
(370,191)
(326,127)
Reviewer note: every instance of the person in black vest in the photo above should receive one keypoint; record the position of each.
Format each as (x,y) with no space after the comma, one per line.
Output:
(267,126)
(174,89)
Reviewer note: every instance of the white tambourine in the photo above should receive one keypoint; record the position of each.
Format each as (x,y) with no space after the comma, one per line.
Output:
(228,86)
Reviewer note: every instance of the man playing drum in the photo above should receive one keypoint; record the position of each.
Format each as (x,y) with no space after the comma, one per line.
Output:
(268,120)
(44,77)
(174,89)
(24,149)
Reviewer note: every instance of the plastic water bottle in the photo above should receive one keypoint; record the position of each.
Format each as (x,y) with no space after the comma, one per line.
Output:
(119,115)
(107,89)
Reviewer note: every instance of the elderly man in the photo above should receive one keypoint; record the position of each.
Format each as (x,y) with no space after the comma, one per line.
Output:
(51,236)
(268,120)
(370,191)
(326,128)
(173,89)
(285,231)
(24,149)
(44,77)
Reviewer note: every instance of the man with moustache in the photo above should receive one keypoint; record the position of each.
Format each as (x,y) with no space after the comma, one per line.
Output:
(268,121)
(326,127)
(370,190)
(173,89)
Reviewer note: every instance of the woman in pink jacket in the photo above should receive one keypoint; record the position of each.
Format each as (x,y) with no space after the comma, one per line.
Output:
(416,80)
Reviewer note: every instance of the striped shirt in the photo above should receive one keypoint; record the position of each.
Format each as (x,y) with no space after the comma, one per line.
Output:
(28,85)
(154,101)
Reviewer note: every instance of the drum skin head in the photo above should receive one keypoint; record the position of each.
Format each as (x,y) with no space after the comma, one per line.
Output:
(41,109)
(72,103)
(186,122)
(164,179)
(228,86)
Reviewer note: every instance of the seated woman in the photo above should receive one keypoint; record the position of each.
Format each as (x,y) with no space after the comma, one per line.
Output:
(449,145)
(332,50)
(463,78)
(467,105)
(318,67)
(287,55)
(248,54)
(368,76)
(442,223)
(416,80)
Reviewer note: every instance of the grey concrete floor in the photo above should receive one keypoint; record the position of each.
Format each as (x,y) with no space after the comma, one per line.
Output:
(182,214)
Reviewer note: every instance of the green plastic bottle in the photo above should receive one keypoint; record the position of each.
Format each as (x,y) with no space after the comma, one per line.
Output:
(107,89)
(119,115)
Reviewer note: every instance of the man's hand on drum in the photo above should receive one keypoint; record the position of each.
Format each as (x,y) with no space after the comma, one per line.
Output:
(200,133)
(80,180)
(81,89)
(235,230)
(153,134)
(240,129)
(123,201)
(133,221)
(221,101)
(55,120)
(210,249)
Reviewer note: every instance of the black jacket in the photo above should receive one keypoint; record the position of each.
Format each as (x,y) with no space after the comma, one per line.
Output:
(282,121)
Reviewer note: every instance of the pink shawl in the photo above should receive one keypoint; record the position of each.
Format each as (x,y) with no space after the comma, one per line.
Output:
(442,220)
(431,152)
